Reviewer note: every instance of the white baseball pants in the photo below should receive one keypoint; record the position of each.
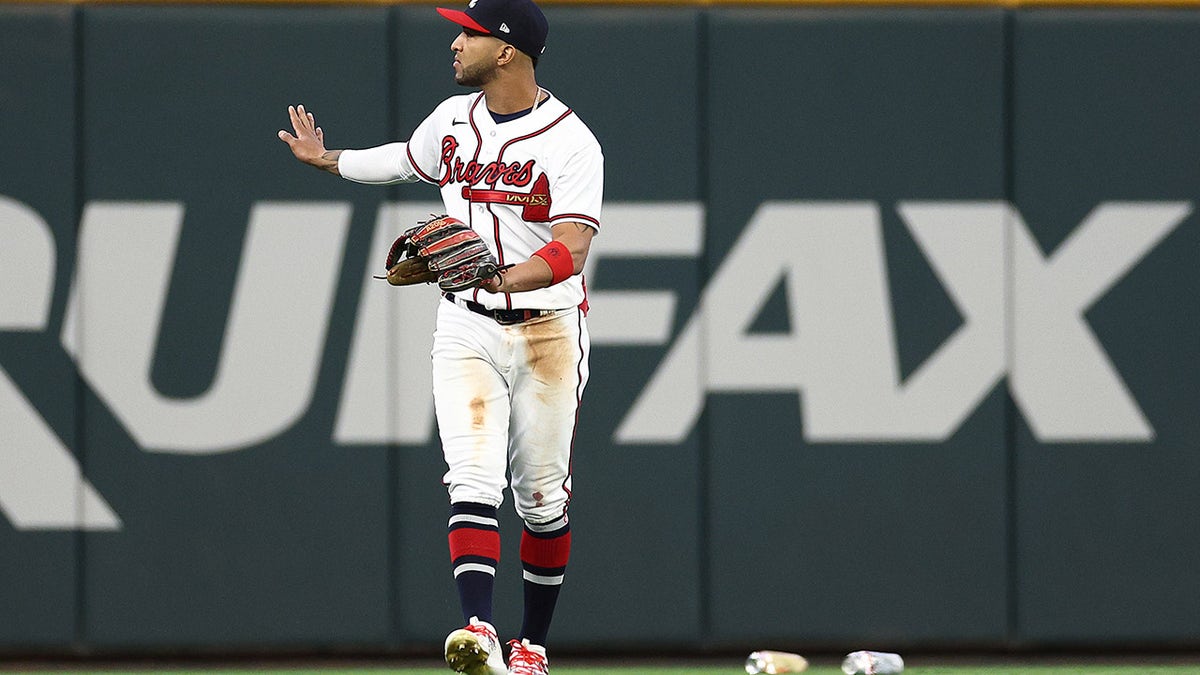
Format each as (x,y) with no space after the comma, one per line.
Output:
(507,399)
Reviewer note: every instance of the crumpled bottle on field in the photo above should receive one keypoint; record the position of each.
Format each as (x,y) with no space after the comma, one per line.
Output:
(872,663)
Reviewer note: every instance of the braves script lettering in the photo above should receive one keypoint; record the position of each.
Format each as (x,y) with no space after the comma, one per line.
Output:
(473,173)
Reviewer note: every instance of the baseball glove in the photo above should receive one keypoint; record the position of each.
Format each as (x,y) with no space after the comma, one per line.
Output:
(444,250)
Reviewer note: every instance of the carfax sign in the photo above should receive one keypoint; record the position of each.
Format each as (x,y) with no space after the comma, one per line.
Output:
(894,326)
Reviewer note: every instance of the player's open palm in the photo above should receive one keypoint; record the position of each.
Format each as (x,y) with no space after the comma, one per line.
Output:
(308,143)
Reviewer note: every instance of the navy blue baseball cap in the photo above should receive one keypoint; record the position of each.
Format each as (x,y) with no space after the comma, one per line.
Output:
(518,22)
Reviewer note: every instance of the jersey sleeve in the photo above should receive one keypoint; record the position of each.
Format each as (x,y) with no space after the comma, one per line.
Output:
(381,165)
(578,187)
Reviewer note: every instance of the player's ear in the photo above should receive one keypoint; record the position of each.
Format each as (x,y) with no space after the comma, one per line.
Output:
(506,55)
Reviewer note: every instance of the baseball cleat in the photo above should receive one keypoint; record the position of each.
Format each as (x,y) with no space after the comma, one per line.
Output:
(527,659)
(475,650)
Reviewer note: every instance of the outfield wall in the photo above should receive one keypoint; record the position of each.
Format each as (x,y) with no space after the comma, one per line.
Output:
(896,340)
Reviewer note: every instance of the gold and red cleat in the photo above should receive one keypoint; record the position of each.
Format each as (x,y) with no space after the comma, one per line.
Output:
(475,650)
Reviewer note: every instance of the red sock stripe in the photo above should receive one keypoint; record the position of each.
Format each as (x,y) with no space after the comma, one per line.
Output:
(548,553)
(468,541)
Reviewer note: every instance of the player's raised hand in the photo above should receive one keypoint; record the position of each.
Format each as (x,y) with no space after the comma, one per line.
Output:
(308,143)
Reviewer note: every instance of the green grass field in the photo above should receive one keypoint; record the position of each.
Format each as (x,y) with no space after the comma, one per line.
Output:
(731,669)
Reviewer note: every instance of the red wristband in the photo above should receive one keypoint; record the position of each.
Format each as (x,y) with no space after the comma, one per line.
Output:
(558,257)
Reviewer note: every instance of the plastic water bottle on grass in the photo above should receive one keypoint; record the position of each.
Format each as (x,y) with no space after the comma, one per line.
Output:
(872,663)
(770,663)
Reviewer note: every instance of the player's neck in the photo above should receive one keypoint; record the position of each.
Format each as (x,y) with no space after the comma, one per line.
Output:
(505,98)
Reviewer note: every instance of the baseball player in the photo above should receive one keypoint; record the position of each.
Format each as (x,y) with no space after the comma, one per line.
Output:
(510,354)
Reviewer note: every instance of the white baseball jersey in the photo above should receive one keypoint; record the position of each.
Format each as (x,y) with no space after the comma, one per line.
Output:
(510,182)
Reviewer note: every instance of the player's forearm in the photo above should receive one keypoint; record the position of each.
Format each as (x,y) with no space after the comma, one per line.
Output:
(530,275)
(328,161)
(556,262)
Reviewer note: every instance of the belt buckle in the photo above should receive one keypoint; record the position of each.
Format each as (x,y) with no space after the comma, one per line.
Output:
(511,317)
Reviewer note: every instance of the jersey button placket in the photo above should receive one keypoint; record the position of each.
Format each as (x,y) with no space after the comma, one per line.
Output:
(485,150)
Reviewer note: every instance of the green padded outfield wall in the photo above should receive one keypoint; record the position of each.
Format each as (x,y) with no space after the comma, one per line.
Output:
(1103,110)
(242,528)
(893,315)
(816,511)
(39,563)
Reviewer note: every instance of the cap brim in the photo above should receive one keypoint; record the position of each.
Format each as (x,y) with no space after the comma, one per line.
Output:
(460,17)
